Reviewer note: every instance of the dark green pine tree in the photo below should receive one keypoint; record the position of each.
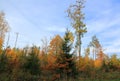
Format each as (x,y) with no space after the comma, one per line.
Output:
(4,61)
(32,64)
(65,60)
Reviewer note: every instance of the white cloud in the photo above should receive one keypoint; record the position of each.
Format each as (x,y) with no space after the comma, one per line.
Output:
(56,29)
(102,24)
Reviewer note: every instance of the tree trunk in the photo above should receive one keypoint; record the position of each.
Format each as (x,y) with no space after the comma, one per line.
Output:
(79,45)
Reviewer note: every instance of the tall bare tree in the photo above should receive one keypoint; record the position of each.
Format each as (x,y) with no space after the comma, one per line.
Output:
(77,16)
(3,25)
(96,46)
(3,28)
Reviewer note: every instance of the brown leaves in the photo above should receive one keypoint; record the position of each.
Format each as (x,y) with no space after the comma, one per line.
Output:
(55,45)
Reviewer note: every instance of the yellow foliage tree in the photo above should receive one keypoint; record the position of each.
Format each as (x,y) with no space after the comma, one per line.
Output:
(55,45)
(55,49)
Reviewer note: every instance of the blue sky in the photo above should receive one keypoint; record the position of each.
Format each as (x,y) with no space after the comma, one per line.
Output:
(37,19)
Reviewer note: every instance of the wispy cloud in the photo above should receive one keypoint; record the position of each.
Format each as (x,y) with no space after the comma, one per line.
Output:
(103,21)
(56,29)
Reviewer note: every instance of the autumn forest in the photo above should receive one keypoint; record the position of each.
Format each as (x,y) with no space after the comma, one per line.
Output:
(61,58)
